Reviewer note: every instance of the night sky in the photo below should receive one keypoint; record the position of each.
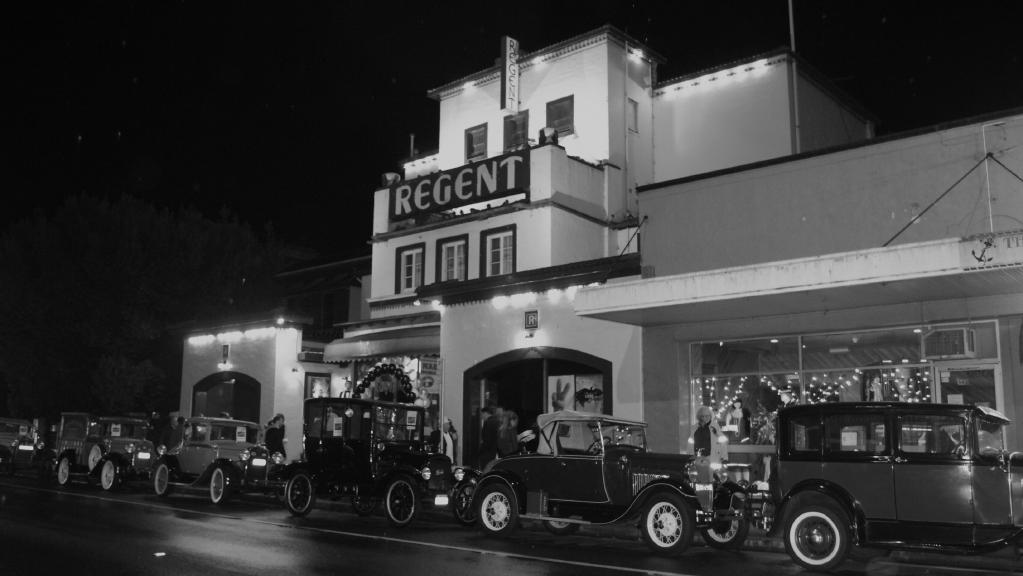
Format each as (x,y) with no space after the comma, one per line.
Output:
(288,113)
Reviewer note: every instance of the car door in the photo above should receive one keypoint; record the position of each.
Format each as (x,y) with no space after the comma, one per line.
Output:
(197,452)
(994,506)
(858,457)
(578,469)
(933,478)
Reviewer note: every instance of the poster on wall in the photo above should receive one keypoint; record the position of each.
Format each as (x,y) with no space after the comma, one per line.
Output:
(562,392)
(589,393)
(317,385)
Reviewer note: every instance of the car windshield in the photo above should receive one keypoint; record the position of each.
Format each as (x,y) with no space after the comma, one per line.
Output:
(124,430)
(13,428)
(233,433)
(393,424)
(990,437)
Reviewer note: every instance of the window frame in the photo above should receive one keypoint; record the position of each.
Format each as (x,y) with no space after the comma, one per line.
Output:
(441,263)
(561,128)
(399,265)
(470,140)
(520,127)
(485,236)
(872,418)
(632,115)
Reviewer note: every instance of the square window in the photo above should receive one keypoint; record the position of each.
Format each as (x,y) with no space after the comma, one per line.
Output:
(516,131)
(409,274)
(498,252)
(452,263)
(476,142)
(561,115)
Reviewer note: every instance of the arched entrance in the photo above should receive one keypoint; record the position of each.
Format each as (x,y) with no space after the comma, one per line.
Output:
(532,381)
(231,392)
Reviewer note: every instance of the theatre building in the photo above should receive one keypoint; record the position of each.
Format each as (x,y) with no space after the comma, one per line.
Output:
(888,270)
(481,250)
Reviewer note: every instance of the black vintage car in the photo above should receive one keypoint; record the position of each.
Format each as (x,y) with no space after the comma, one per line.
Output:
(108,449)
(369,451)
(219,456)
(595,469)
(892,475)
(16,437)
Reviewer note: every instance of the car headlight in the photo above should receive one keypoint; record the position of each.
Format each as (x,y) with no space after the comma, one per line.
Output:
(40,445)
(459,474)
(278,458)
(691,472)
(161,450)
(426,473)
(245,455)
(130,448)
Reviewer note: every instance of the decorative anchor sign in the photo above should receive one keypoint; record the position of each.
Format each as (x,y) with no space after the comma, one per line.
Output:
(982,257)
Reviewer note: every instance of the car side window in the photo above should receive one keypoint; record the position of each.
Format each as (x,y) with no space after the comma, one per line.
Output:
(932,434)
(547,440)
(856,434)
(803,436)
(575,437)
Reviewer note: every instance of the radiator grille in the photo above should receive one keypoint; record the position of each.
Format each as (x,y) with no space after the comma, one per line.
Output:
(639,481)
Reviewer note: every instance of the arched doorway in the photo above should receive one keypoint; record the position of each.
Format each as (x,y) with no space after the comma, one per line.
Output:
(532,381)
(231,392)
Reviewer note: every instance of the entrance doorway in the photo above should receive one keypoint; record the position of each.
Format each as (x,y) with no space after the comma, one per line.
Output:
(532,381)
(231,392)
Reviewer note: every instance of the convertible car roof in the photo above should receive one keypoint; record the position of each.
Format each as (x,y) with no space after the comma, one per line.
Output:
(572,416)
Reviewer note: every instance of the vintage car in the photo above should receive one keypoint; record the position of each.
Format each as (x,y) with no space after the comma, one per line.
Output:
(595,469)
(14,433)
(220,456)
(111,450)
(893,475)
(127,455)
(368,450)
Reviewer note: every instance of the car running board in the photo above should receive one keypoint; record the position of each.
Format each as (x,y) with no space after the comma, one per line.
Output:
(554,519)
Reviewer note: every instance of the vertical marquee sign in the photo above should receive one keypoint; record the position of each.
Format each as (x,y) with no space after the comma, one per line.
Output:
(509,75)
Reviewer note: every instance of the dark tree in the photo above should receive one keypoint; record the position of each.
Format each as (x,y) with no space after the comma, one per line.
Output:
(88,295)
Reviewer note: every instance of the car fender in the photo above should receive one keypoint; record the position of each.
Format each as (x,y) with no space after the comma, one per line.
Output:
(117,458)
(821,492)
(502,477)
(231,472)
(171,461)
(401,470)
(651,490)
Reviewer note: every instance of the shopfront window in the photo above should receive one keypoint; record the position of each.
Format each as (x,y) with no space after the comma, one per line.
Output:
(752,378)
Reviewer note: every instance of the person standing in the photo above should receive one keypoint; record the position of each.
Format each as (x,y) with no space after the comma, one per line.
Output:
(508,442)
(489,436)
(274,437)
(707,439)
(449,440)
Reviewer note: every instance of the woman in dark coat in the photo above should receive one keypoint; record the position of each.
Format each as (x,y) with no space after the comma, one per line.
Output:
(274,436)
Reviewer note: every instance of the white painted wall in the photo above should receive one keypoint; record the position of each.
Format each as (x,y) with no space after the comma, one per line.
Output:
(725,122)
(472,333)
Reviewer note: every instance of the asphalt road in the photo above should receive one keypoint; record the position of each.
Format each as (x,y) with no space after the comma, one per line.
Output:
(82,530)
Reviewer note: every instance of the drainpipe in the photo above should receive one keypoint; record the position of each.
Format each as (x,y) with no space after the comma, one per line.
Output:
(795,78)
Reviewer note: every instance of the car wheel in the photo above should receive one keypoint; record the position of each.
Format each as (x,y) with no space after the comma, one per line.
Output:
(95,455)
(560,528)
(461,504)
(220,486)
(161,480)
(64,472)
(816,537)
(299,494)
(497,510)
(401,502)
(108,478)
(668,524)
(364,505)
(726,535)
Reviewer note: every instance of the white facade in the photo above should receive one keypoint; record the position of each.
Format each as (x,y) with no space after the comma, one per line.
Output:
(575,223)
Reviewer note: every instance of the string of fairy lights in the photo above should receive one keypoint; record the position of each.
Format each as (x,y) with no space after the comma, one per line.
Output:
(903,384)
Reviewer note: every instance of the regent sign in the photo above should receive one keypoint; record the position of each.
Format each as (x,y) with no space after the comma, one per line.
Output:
(477,182)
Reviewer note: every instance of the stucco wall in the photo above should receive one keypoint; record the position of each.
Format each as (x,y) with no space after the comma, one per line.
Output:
(472,333)
(850,200)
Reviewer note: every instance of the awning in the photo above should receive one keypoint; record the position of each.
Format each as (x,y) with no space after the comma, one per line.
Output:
(770,293)
(396,336)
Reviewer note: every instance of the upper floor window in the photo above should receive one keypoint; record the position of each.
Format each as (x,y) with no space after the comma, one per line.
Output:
(561,115)
(633,112)
(451,254)
(476,142)
(498,253)
(516,131)
(409,273)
